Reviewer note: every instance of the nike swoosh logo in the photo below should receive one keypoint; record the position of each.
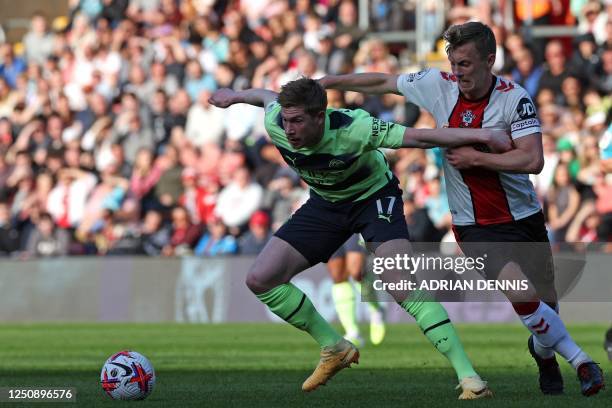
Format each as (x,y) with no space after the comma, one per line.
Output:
(128,369)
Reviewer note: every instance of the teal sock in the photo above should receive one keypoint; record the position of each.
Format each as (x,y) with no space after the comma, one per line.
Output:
(437,327)
(293,306)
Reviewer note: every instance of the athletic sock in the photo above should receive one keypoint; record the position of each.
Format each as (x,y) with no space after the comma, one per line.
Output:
(344,300)
(293,306)
(542,351)
(437,327)
(548,328)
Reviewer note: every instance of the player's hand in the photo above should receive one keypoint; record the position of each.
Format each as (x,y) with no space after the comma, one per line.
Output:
(222,98)
(499,141)
(462,157)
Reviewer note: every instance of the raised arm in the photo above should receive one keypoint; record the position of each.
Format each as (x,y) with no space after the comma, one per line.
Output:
(225,97)
(372,83)
(496,139)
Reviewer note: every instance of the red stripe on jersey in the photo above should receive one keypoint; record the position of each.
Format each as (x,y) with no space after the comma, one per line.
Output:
(489,199)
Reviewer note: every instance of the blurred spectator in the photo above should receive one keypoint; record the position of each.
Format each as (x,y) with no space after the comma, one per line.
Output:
(133,137)
(239,200)
(258,235)
(374,56)
(588,158)
(46,240)
(279,199)
(38,42)
(104,200)
(168,188)
(199,199)
(603,73)
(9,235)
(161,120)
(348,35)
(527,73)
(567,157)
(155,235)
(145,175)
(184,234)
(5,172)
(563,203)
(205,123)
(603,189)
(555,69)
(585,59)
(583,228)
(537,12)
(10,65)
(196,80)
(67,200)
(216,241)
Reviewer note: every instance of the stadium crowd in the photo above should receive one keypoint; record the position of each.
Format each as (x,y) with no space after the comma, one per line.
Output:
(108,144)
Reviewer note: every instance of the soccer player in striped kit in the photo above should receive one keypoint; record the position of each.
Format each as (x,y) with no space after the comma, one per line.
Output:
(491,199)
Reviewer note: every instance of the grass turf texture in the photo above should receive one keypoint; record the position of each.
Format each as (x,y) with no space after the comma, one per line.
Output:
(264,365)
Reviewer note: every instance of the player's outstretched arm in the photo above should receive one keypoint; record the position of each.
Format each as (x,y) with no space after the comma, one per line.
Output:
(224,97)
(372,83)
(526,158)
(496,139)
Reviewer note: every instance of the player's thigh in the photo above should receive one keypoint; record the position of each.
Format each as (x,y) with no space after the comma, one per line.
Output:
(393,272)
(513,251)
(316,230)
(275,265)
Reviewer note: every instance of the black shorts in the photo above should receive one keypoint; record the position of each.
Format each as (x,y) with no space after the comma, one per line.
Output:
(351,245)
(319,227)
(524,242)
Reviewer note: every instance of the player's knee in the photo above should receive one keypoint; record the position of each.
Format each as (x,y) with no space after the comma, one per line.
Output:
(522,296)
(256,284)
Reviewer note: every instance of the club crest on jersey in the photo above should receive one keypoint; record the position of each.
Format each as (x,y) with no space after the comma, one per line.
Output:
(467,118)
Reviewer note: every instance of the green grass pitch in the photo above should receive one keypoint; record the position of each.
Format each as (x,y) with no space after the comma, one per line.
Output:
(246,365)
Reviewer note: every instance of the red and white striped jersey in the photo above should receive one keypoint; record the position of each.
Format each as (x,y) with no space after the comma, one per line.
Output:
(479,196)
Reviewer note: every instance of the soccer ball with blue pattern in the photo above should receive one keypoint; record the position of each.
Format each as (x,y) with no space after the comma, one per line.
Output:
(127,375)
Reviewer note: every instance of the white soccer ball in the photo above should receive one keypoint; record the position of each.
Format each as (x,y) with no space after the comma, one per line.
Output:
(127,375)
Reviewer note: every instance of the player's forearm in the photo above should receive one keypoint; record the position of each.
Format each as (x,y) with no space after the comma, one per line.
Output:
(256,97)
(513,161)
(443,137)
(373,83)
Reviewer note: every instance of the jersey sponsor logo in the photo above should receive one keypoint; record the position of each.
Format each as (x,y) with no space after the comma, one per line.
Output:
(467,117)
(504,86)
(448,77)
(524,124)
(378,127)
(415,76)
(525,109)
